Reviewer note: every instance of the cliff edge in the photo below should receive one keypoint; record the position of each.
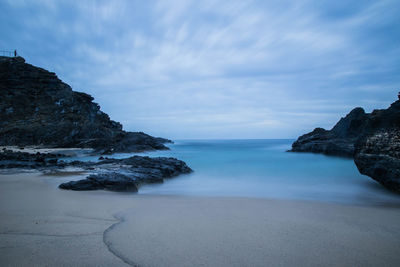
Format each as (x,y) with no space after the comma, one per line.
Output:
(37,108)
(377,150)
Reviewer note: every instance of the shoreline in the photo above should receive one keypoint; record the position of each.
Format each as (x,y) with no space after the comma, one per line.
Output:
(42,225)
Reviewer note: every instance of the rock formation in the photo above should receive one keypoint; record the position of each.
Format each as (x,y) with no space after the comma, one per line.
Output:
(377,151)
(13,159)
(126,174)
(37,108)
(373,139)
(107,181)
(338,141)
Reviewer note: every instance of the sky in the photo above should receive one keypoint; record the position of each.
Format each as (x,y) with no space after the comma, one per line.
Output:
(215,69)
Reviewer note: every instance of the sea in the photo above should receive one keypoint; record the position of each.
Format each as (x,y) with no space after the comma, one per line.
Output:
(264,169)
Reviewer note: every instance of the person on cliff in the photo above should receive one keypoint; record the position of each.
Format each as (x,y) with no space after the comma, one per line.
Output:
(15,53)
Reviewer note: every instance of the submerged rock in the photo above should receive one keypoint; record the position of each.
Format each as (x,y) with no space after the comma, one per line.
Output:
(37,108)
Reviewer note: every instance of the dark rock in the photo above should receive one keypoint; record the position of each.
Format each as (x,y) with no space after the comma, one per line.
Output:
(107,181)
(129,142)
(16,159)
(338,141)
(143,170)
(139,170)
(377,152)
(144,167)
(37,108)
(107,174)
(373,139)
(52,161)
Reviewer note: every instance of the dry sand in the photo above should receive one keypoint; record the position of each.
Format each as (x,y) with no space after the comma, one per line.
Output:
(41,225)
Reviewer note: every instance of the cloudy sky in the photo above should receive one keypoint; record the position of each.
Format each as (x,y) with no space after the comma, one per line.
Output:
(215,69)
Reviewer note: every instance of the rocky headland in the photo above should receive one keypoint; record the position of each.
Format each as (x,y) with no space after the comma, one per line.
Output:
(377,150)
(38,109)
(372,139)
(338,141)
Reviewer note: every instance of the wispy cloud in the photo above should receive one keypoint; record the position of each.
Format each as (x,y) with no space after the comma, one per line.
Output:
(217,69)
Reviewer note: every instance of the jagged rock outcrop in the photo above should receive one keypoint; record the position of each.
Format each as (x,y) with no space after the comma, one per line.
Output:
(14,159)
(127,174)
(37,108)
(377,151)
(373,139)
(106,181)
(338,141)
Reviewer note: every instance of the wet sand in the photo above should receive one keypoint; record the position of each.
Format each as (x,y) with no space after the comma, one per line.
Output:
(41,225)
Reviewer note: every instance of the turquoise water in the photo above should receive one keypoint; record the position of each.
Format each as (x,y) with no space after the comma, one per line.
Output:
(263,168)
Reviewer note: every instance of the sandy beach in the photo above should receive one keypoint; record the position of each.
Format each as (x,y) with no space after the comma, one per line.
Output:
(42,225)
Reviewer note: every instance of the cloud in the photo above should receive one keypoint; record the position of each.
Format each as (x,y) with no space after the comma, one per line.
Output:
(216,69)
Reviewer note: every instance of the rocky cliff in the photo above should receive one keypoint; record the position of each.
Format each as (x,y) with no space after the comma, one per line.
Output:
(377,150)
(338,141)
(373,139)
(37,108)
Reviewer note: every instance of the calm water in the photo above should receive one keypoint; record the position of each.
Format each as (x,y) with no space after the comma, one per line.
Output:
(262,168)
